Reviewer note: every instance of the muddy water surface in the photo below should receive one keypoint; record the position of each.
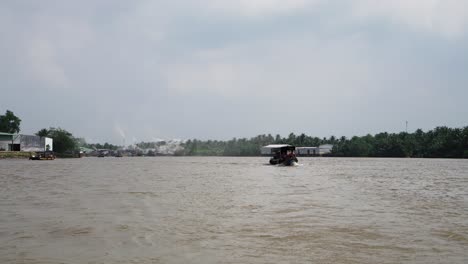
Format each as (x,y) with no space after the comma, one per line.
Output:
(233,210)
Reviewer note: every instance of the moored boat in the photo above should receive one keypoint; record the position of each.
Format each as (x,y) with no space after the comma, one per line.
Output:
(42,155)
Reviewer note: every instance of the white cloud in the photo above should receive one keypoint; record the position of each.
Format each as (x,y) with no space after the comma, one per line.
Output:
(254,8)
(50,44)
(452,18)
(446,17)
(160,66)
(43,64)
(279,68)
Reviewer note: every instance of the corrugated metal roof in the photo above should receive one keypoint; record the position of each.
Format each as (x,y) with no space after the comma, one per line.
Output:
(86,149)
(6,136)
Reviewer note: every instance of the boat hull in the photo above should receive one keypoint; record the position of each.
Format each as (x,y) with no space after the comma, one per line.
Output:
(42,156)
(285,162)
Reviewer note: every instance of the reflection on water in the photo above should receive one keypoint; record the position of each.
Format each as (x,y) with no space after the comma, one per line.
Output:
(233,210)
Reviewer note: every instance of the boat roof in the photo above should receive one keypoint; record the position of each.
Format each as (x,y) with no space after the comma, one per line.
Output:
(278,146)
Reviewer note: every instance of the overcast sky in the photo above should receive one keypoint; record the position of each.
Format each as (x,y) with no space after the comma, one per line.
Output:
(218,69)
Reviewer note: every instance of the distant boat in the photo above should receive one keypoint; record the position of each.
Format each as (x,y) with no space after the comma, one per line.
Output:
(283,154)
(42,155)
(101,153)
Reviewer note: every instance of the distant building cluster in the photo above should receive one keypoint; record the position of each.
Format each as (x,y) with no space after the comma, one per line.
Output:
(164,148)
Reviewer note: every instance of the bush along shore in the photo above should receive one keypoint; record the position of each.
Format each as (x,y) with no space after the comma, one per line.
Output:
(14,155)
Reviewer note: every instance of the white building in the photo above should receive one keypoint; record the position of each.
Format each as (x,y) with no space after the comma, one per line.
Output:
(14,142)
(314,151)
(325,149)
(307,151)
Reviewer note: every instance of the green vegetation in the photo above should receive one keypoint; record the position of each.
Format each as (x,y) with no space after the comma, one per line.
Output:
(9,123)
(82,143)
(441,142)
(64,142)
(248,147)
(14,155)
(66,145)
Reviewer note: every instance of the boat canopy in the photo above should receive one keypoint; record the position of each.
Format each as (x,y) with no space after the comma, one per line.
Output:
(277,146)
(273,148)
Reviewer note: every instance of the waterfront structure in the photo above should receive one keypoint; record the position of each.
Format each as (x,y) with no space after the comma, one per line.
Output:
(325,149)
(314,151)
(307,151)
(18,142)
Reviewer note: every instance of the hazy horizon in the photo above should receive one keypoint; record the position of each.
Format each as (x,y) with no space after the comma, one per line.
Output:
(108,70)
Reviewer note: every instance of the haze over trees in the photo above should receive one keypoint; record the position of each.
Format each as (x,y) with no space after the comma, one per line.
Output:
(9,123)
(106,145)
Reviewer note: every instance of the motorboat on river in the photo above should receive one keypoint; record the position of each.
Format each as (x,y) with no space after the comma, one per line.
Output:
(282,154)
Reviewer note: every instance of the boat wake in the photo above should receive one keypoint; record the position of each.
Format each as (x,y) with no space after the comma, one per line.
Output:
(293,164)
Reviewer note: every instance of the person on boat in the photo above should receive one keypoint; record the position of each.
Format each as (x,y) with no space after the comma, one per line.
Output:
(284,156)
(293,156)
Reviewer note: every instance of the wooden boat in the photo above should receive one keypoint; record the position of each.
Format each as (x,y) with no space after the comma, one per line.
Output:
(42,155)
(283,154)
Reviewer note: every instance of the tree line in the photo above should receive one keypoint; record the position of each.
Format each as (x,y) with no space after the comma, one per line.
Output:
(441,142)
(248,147)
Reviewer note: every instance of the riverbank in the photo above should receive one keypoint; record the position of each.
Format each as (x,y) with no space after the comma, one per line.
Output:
(14,155)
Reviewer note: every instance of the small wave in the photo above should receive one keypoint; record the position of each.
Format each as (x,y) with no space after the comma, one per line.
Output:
(152,194)
(72,231)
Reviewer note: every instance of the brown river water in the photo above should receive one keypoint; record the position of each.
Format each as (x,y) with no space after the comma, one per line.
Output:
(233,210)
